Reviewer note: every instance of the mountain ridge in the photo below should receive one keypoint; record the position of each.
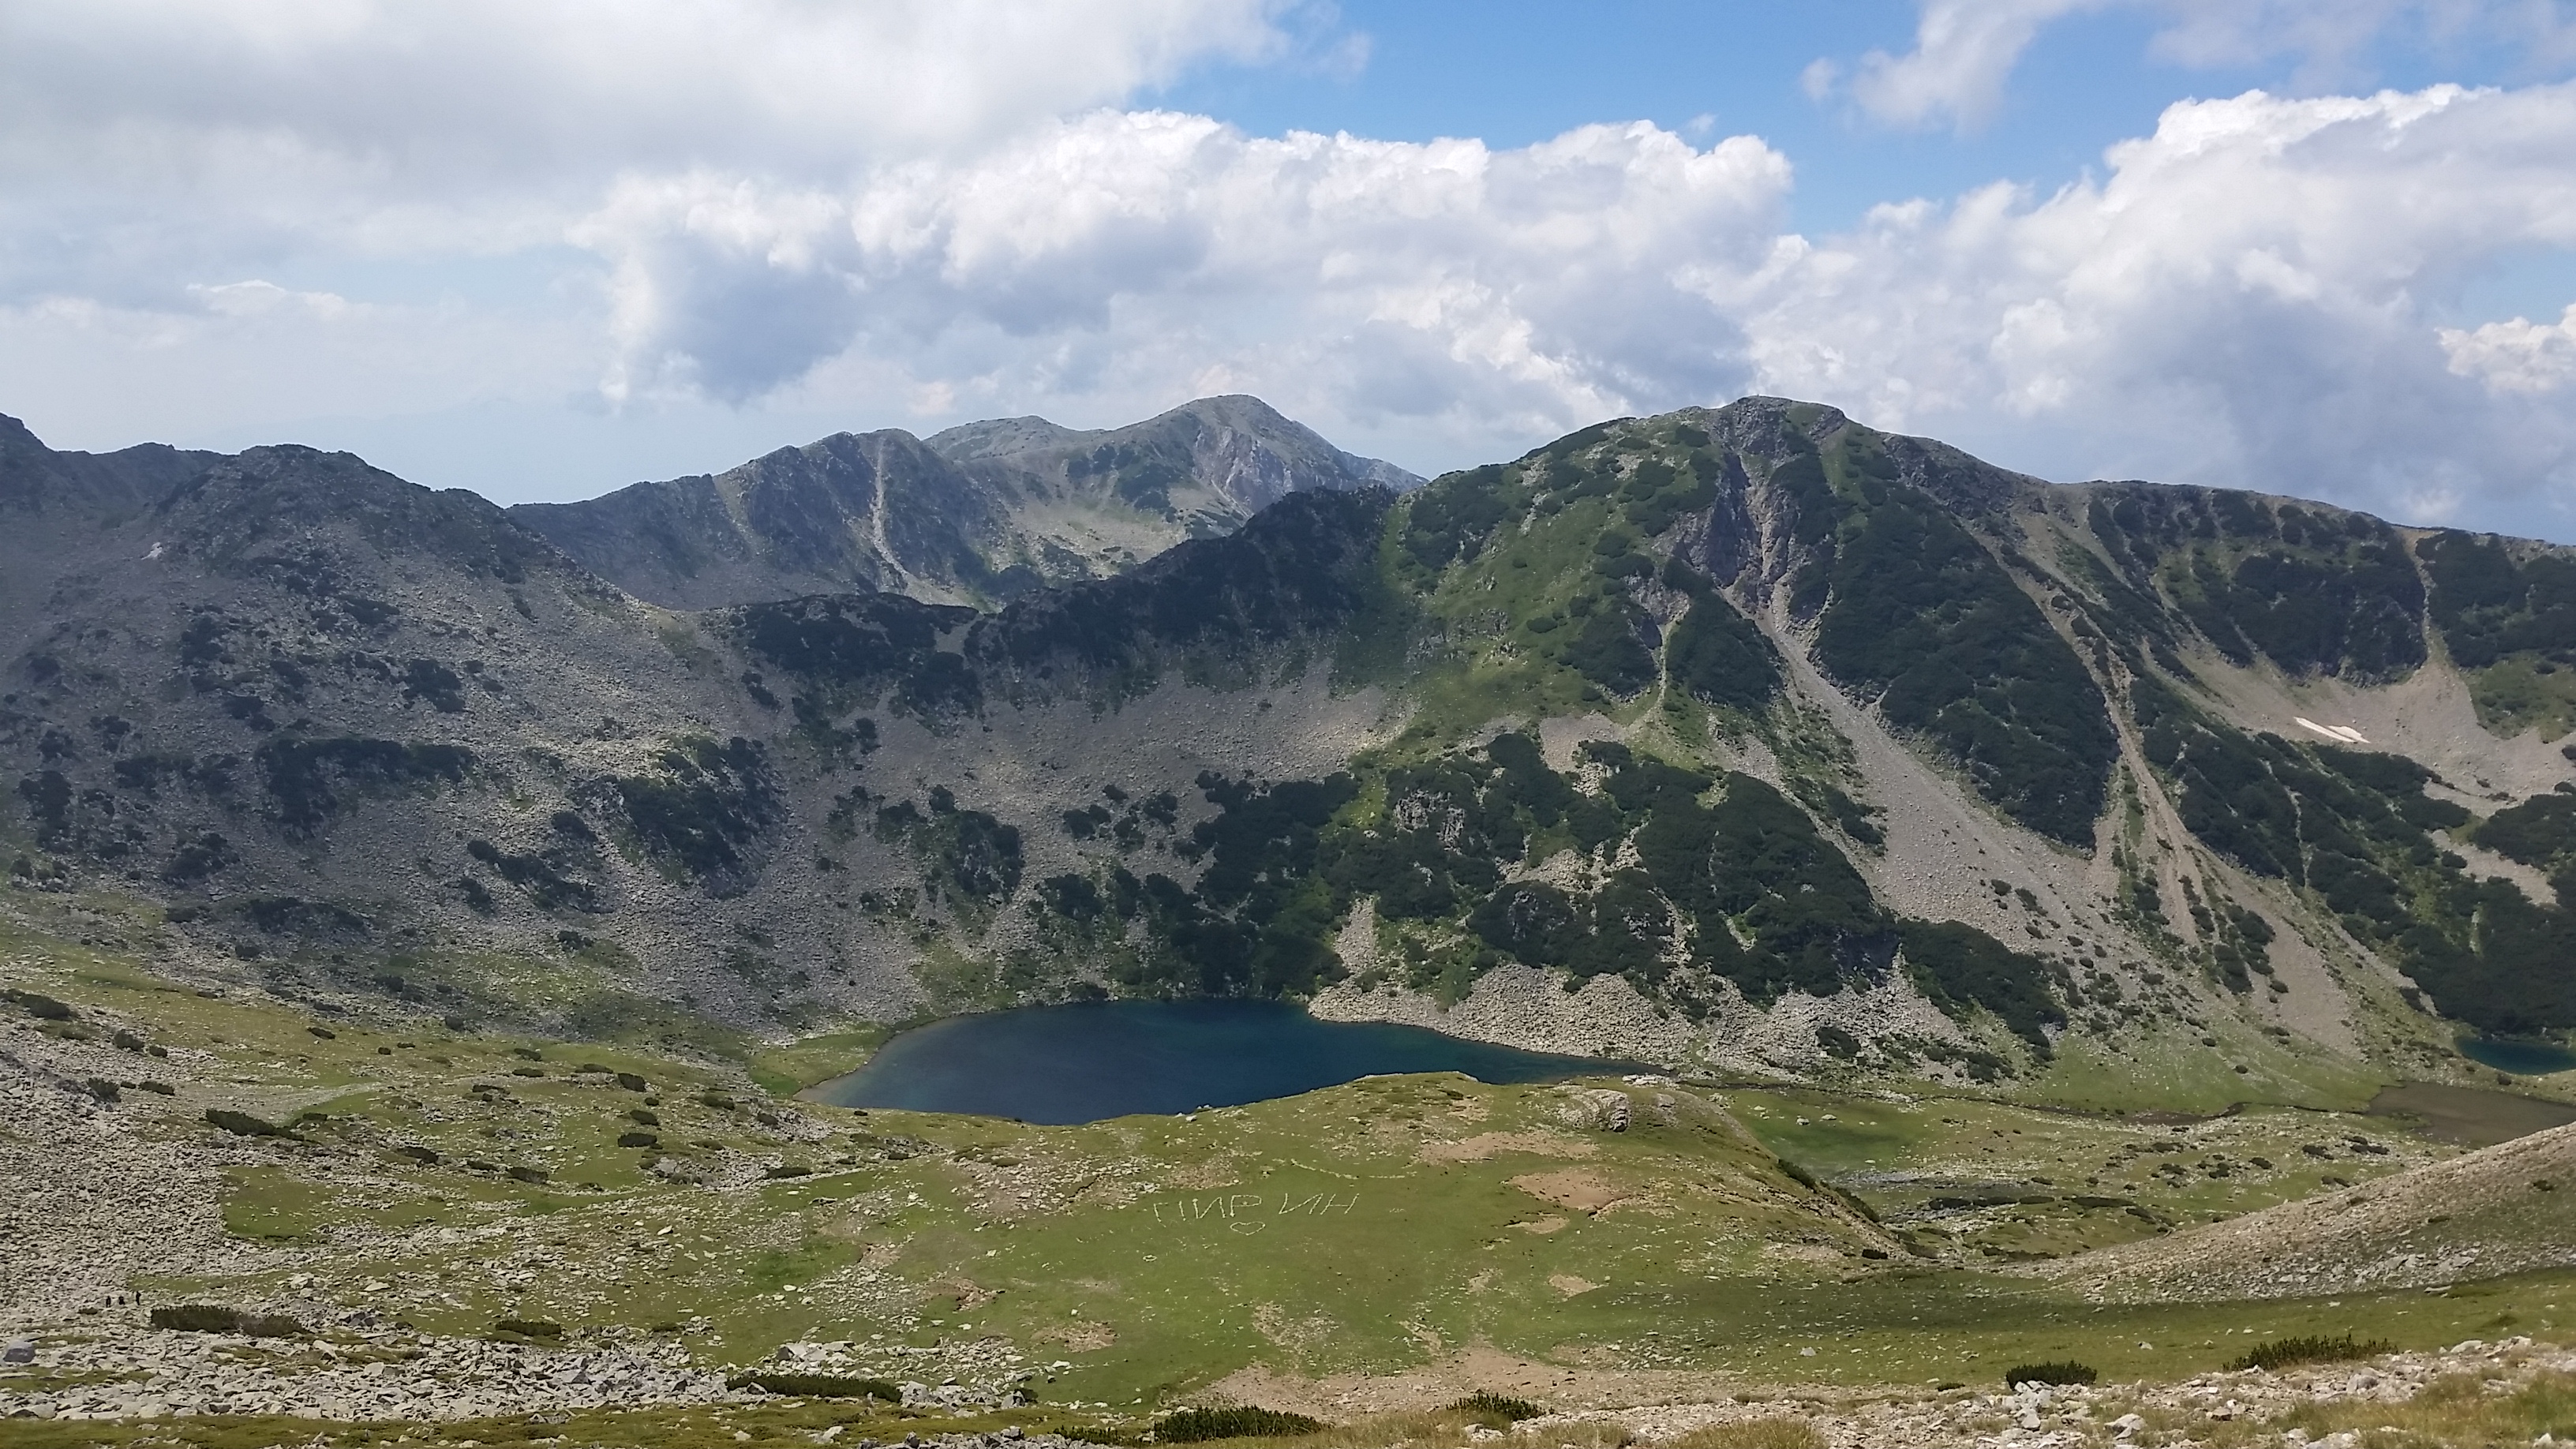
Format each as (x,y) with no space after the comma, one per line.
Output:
(1795,747)
(978,513)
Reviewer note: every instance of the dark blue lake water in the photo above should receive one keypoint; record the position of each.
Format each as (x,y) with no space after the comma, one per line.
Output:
(2522,1058)
(1060,1064)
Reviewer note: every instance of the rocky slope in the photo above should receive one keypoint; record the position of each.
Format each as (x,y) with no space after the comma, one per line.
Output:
(977,513)
(1799,747)
(2498,1210)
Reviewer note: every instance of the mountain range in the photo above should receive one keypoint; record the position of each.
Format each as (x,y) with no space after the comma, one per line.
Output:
(978,513)
(1746,739)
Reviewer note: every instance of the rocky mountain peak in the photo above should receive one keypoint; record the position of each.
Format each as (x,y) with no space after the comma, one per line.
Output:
(977,514)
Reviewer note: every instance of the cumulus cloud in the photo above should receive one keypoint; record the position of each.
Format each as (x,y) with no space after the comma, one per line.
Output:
(2516,355)
(142,138)
(2252,295)
(1965,50)
(1585,274)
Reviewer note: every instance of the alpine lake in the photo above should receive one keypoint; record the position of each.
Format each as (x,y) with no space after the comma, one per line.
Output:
(1058,1065)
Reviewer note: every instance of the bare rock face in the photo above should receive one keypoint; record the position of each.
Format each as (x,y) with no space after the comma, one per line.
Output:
(1596,1109)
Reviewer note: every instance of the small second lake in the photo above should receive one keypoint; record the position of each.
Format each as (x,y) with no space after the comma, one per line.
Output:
(1064,1064)
(2518,1055)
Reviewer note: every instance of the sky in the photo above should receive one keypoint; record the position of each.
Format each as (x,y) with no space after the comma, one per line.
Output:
(544,248)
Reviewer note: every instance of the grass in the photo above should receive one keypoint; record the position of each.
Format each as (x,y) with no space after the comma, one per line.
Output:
(2005,1182)
(786,1068)
(2512,696)
(1773,1432)
(1368,1228)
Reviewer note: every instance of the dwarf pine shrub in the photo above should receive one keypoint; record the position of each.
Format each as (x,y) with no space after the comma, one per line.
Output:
(818,1386)
(2065,1371)
(1197,1426)
(528,1328)
(242,1124)
(2281,1353)
(217,1318)
(1493,1409)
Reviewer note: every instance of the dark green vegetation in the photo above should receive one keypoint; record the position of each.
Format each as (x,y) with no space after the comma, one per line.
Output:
(2280,1353)
(1731,871)
(2312,590)
(2061,1371)
(1496,1410)
(2489,603)
(818,1386)
(310,781)
(967,856)
(1197,1426)
(2358,831)
(216,1318)
(1909,606)
(704,812)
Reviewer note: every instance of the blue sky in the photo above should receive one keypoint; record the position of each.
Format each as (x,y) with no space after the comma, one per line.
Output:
(1513,73)
(542,250)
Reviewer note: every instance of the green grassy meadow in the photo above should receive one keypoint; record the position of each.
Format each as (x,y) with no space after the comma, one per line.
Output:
(1774,1236)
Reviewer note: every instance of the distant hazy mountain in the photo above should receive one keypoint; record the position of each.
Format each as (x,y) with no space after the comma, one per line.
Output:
(978,513)
(1746,737)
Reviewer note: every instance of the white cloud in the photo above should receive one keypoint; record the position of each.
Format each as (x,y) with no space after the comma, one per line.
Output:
(1965,50)
(145,138)
(2253,295)
(2517,355)
(1134,252)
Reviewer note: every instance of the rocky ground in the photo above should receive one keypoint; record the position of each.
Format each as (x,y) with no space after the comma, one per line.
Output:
(2398,1399)
(127,1373)
(2504,1210)
(143,1373)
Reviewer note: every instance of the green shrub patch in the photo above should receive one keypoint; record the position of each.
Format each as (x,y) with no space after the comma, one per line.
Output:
(527,1328)
(242,1124)
(216,1318)
(42,1008)
(818,1386)
(1197,1426)
(2059,1372)
(2281,1353)
(1492,1409)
